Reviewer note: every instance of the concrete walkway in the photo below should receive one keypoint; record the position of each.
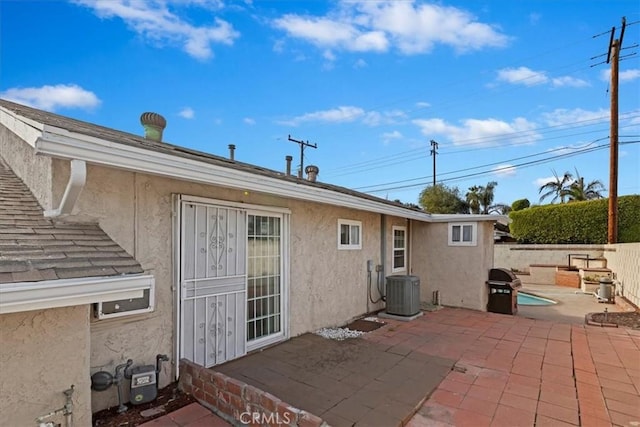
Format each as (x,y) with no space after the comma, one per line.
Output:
(461,368)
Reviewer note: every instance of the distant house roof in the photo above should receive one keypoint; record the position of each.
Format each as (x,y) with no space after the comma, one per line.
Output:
(63,137)
(34,248)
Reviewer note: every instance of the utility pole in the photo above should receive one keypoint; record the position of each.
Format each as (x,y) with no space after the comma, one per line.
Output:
(434,151)
(613,57)
(303,145)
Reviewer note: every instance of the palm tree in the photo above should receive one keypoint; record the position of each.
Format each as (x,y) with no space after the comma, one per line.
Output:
(480,198)
(578,191)
(557,188)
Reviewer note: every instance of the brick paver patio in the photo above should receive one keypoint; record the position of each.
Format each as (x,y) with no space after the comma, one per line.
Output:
(458,367)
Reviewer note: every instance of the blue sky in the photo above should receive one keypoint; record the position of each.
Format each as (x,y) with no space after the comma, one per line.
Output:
(508,89)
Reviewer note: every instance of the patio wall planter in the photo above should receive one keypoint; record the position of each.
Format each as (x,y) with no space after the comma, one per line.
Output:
(568,278)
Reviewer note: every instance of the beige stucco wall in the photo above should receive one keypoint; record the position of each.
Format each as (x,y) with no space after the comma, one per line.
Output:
(35,171)
(513,255)
(42,353)
(328,286)
(458,272)
(624,261)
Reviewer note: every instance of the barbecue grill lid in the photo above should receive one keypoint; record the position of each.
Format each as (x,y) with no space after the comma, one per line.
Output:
(502,275)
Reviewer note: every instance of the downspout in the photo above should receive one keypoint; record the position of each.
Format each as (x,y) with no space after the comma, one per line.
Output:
(383,253)
(409,247)
(77,179)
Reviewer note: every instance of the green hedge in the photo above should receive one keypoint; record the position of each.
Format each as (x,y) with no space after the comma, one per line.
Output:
(577,222)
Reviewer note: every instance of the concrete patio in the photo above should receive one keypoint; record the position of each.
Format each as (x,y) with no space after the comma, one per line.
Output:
(457,367)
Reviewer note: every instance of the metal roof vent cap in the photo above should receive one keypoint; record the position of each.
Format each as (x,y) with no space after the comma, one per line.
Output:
(153,124)
(312,172)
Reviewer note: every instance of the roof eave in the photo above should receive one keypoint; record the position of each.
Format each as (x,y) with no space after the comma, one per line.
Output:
(502,219)
(62,144)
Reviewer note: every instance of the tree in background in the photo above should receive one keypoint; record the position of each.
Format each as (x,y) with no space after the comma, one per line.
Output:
(578,191)
(569,189)
(440,199)
(480,198)
(557,187)
(520,204)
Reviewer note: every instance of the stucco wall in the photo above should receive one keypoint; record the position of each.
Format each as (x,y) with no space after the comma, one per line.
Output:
(458,272)
(624,261)
(327,286)
(36,172)
(42,353)
(521,256)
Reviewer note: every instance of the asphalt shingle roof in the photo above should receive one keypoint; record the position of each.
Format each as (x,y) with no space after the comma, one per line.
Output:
(34,248)
(90,129)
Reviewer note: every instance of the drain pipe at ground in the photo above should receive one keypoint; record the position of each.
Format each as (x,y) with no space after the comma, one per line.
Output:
(66,410)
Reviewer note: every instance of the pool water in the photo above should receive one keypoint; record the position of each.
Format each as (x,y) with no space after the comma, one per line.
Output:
(528,299)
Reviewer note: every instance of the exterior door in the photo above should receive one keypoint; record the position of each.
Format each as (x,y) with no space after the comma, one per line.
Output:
(265,281)
(213,279)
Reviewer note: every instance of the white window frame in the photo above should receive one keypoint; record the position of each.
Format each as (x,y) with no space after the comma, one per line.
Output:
(461,242)
(350,223)
(395,269)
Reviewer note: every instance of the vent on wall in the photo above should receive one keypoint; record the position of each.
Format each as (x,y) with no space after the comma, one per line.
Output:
(126,307)
(403,295)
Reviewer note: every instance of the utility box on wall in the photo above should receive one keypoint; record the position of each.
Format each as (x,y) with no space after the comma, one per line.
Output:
(403,295)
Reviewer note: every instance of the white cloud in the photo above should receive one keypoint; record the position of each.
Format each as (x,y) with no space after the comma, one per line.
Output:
(387,137)
(422,104)
(360,63)
(562,116)
(539,182)
(51,98)
(375,118)
(249,121)
(522,75)
(623,77)
(329,56)
(278,46)
(187,113)
(347,114)
(528,77)
(487,132)
(411,28)
(504,170)
(568,81)
(153,20)
(342,114)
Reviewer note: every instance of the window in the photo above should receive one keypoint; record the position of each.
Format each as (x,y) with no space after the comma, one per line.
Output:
(349,234)
(399,248)
(463,234)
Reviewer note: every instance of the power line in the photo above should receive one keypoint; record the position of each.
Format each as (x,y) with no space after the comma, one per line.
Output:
(493,171)
(485,165)
(415,154)
(303,145)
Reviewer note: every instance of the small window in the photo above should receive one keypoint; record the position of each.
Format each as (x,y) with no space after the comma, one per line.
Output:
(349,234)
(399,249)
(463,234)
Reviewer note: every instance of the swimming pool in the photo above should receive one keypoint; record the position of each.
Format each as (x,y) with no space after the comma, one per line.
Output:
(528,299)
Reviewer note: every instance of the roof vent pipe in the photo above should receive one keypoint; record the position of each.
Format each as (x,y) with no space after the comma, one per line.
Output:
(312,172)
(232,152)
(153,124)
(289,159)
